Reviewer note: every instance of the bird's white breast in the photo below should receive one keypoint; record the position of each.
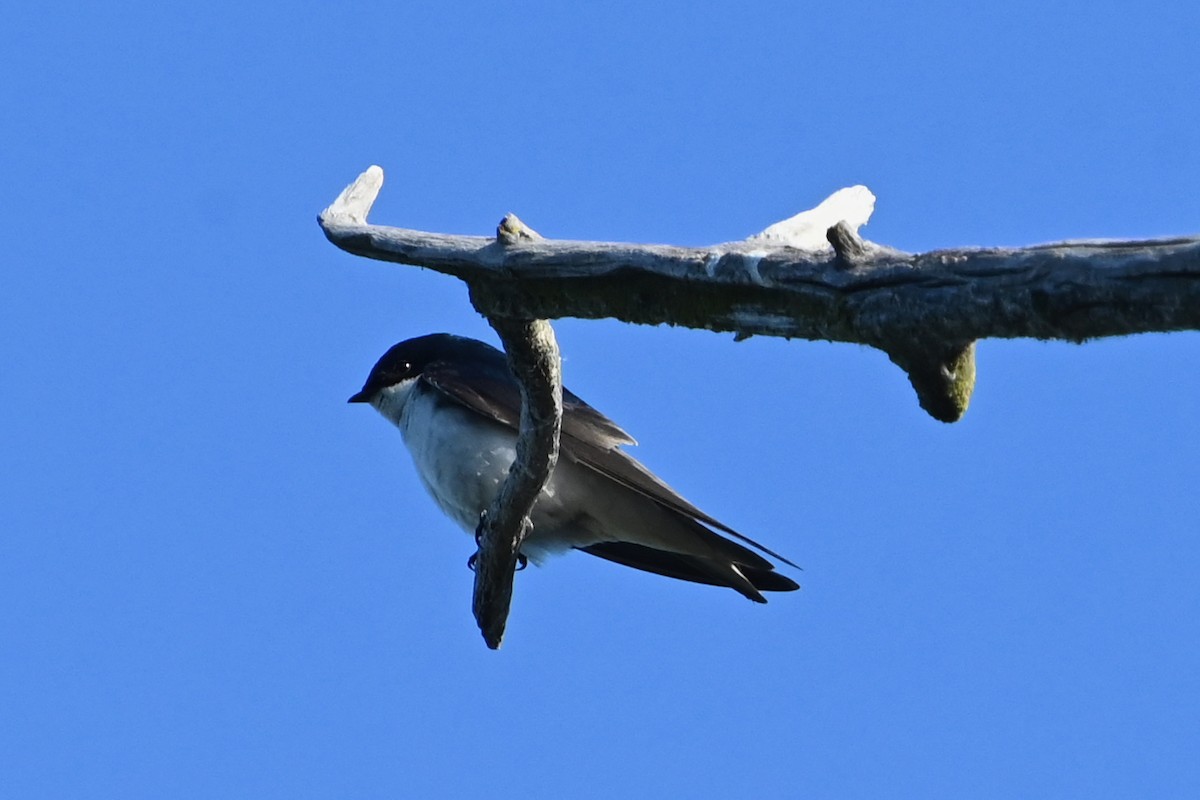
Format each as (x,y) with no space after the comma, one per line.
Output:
(462,458)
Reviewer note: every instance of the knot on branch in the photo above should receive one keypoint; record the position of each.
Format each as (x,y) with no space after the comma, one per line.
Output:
(943,376)
(511,231)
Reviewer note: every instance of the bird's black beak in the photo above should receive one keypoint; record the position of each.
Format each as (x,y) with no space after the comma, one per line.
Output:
(362,397)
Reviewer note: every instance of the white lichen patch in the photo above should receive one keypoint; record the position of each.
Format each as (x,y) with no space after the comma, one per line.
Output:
(806,231)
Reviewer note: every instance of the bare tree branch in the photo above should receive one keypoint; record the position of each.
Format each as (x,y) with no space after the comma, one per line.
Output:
(810,276)
(923,310)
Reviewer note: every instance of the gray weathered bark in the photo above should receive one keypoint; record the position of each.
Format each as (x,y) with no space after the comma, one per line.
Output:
(924,310)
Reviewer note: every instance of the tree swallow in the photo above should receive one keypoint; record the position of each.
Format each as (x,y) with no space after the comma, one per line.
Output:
(458,407)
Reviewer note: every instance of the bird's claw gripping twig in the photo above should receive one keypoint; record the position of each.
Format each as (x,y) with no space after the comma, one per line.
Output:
(522,561)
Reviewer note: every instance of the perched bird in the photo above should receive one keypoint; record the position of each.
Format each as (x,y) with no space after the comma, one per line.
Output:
(458,406)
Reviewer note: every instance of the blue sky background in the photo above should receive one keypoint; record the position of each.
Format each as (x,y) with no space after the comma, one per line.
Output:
(219,580)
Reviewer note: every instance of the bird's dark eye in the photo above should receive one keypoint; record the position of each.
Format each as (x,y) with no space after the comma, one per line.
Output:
(406,367)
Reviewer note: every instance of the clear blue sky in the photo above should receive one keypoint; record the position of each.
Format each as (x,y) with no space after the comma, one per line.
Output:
(219,580)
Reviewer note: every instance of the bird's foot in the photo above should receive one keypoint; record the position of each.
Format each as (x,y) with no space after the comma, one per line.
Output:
(522,561)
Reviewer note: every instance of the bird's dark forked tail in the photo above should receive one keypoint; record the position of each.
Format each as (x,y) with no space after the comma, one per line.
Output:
(695,569)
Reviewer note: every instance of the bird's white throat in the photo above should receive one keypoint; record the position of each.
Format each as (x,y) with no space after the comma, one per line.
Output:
(392,401)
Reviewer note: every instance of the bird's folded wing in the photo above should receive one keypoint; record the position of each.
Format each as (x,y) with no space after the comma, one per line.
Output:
(588,437)
(494,393)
